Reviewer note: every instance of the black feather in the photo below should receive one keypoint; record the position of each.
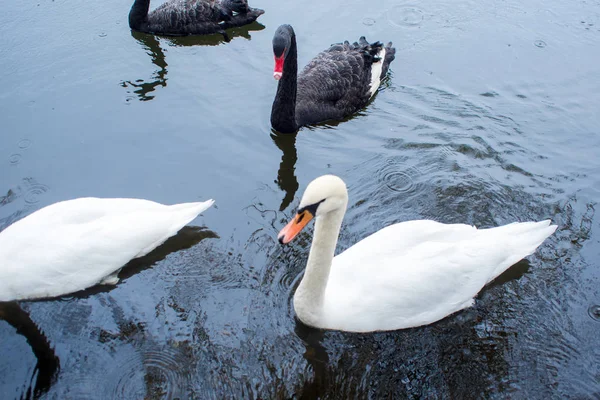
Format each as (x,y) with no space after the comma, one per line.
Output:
(191,17)
(334,84)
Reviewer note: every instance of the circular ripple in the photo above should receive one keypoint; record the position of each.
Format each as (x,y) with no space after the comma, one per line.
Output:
(33,191)
(540,43)
(399,181)
(405,16)
(24,143)
(594,312)
(14,159)
(149,374)
(396,177)
(368,21)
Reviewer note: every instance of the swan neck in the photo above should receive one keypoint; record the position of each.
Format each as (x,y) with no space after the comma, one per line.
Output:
(311,291)
(138,15)
(283,113)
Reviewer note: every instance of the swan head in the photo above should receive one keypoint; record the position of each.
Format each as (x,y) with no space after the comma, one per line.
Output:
(322,196)
(282,41)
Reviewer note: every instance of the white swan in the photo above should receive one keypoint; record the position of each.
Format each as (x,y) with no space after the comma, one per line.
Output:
(408,274)
(75,244)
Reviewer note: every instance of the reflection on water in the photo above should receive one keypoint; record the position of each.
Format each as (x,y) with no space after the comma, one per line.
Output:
(316,357)
(141,88)
(151,44)
(286,175)
(216,39)
(48,364)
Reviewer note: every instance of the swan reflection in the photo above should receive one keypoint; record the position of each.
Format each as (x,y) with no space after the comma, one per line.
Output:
(152,46)
(286,175)
(48,364)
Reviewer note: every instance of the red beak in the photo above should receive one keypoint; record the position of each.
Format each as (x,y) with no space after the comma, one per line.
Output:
(278,71)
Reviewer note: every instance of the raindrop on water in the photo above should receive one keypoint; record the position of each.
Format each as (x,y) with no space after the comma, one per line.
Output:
(398,178)
(398,181)
(594,312)
(156,369)
(24,143)
(14,159)
(33,191)
(368,21)
(405,16)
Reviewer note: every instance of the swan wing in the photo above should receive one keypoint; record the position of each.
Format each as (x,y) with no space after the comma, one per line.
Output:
(334,84)
(418,272)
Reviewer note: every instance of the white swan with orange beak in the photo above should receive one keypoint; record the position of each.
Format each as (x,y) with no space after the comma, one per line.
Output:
(406,275)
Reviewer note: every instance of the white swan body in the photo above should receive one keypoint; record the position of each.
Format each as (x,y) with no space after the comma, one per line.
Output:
(406,275)
(75,244)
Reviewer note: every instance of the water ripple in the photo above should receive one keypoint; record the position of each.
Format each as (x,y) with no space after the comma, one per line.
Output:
(33,190)
(594,312)
(368,21)
(405,16)
(398,178)
(24,143)
(14,159)
(149,374)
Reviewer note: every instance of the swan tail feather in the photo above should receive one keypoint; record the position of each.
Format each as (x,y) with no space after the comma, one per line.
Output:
(390,55)
(524,239)
(180,215)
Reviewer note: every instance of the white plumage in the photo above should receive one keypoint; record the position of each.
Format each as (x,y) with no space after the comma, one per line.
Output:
(376,70)
(75,244)
(405,275)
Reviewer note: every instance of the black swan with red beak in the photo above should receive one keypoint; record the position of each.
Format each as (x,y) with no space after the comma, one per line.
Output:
(191,17)
(335,84)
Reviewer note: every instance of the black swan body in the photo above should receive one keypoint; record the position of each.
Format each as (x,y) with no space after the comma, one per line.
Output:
(191,17)
(335,84)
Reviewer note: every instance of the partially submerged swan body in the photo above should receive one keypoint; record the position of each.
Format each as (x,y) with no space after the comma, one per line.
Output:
(191,17)
(75,244)
(406,275)
(335,84)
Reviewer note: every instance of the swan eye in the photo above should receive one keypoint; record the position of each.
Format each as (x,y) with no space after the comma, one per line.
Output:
(312,208)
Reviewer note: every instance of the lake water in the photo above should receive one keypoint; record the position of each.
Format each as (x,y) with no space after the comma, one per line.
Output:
(490,115)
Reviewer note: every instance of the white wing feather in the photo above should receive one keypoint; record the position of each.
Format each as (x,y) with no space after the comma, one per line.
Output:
(417,272)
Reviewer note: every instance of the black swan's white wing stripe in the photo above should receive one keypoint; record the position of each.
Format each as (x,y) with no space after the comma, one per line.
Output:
(376,69)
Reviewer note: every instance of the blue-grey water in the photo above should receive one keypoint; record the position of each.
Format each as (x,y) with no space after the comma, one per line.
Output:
(490,115)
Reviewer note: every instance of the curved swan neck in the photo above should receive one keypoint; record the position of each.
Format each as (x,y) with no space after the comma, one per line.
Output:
(310,295)
(138,14)
(283,113)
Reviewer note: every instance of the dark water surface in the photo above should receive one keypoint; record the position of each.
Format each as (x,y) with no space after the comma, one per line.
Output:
(490,115)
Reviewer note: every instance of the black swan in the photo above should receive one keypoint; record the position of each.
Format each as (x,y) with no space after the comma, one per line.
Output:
(191,17)
(335,84)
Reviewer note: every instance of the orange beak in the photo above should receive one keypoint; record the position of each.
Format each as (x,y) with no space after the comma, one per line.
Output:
(291,230)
